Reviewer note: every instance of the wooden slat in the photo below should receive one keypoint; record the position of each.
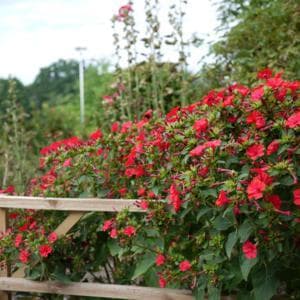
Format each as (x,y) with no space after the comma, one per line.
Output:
(68,204)
(93,290)
(5,271)
(68,223)
(61,230)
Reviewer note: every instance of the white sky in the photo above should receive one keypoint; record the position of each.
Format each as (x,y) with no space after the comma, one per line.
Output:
(35,33)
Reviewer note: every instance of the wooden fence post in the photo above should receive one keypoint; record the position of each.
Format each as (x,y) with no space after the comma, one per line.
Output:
(5,272)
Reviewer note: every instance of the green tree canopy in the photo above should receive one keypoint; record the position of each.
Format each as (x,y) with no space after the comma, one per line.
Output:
(257,34)
(58,79)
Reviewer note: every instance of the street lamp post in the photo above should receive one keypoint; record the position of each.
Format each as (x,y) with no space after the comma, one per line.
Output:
(81,82)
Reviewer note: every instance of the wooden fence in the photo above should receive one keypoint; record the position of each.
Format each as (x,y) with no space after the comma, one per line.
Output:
(77,208)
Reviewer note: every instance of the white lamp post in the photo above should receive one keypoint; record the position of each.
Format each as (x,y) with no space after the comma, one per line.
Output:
(81,82)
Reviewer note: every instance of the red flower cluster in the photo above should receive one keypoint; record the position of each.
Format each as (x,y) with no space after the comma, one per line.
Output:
(250,250)
(227,163)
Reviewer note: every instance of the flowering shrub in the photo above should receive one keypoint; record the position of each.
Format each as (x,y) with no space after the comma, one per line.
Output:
(218,180)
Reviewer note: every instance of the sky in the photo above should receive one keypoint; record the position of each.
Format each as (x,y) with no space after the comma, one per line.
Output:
(36,33)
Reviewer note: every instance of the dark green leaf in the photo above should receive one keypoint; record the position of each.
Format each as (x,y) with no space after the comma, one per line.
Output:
(221,223)
(231,241)
(213,293)
(245,230)
(199,294)
(147,261)
(114,247)
(203,212)
(246,267)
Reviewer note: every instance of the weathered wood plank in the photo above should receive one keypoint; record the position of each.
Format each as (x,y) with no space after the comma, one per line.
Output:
(5,270)
(68,204)
(93,290)
(68,223)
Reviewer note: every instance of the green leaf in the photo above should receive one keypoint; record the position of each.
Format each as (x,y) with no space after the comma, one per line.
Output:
(266,291)
(60,276)
(246,267)
(245,230)
(209,192)
(152,232)
(203,212)
(265,283)
(199,294)
(221,223)
(144,265)
(244,295)
(114,247)
(231,241)
(213,293)
(287,180)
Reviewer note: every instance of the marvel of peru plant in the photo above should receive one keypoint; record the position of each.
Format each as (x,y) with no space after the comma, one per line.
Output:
(219,183)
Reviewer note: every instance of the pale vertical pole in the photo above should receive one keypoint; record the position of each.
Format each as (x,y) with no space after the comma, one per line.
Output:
(81,82)
(5,272)
(81,86)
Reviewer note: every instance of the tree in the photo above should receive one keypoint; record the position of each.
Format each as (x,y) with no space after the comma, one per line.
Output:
(20,91)
(257,34)
(58,79)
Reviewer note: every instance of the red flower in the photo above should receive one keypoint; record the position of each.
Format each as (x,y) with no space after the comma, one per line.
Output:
(203,171)
(256,188)
(99,152)
(45,250)
(256,118)
(273,147)
(162,282)
(275,82)
(67,162)
(9,190)
(13,216)
(18,240)
(24,227)
(172,115)
(143,204)
(294,120)
(296,194)
(255,151)
(129,231)
(126,126)
(184,266)
(96,135)
(52,237)
(222,199)
(241,89)
(160,260)
(137,171)
(123,191)
(113,233)
(250,250)
(174,197)
(198,151)
(108,99)
(257,93)
(201,125)
(23,256)
(141,192)
(107,225)
(275,200)
(151,195)
(213,144)
(265,74)
(124,10)
(115,127)
(228,101)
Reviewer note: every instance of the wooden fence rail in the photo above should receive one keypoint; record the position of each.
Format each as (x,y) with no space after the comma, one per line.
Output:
(77,207)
